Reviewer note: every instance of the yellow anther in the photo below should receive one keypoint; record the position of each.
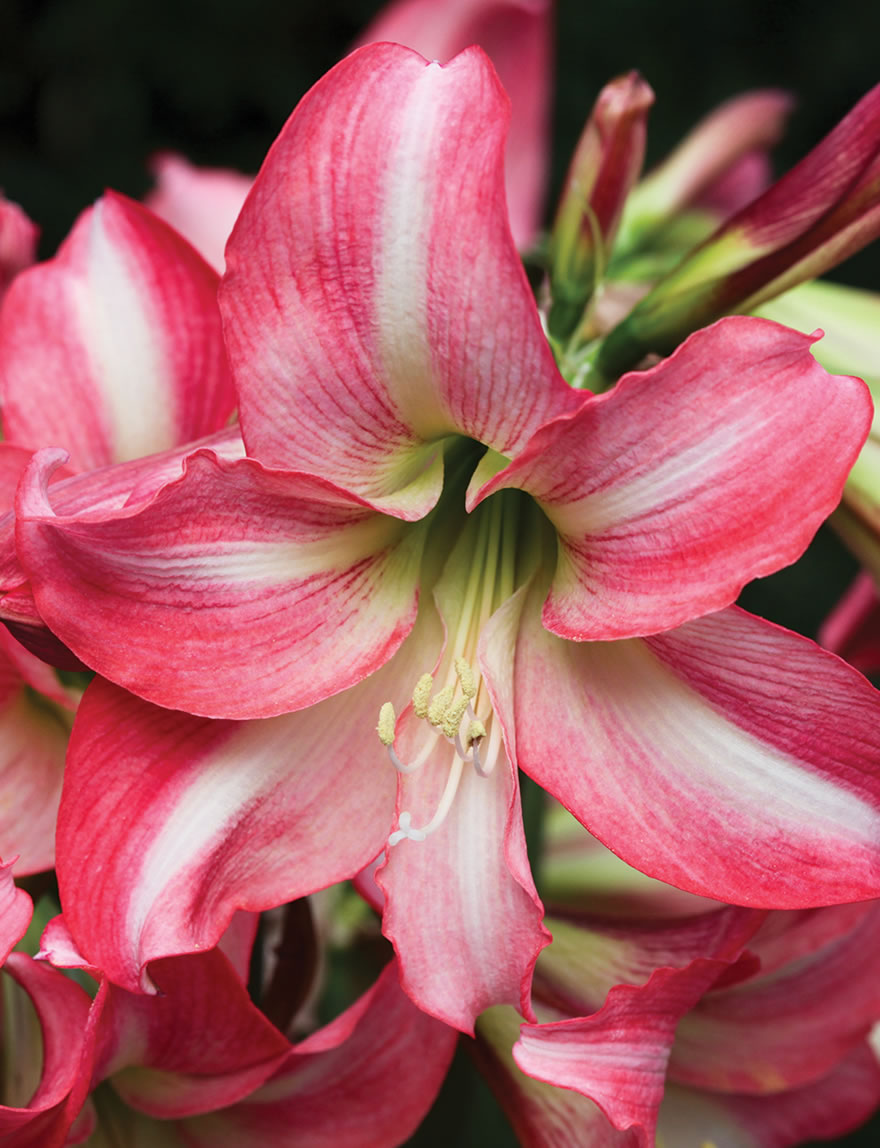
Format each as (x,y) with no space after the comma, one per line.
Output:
(441,703)
(422,695)
(475,731)
(466,678)
(387,721)
(453,717)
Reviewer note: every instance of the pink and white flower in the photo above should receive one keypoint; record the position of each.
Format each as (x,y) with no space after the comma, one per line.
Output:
(427,507)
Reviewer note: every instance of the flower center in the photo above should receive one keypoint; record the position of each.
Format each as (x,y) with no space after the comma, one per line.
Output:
(479,575)
(451,713)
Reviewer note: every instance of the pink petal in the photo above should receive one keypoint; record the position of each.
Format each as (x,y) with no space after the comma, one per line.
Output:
(474,940)
(517,37)
(677,487)
(739,185)
(460,906)
(852,629)
(590,956)
(202,203)
(374,302)
(364,1081)
(729,757)
(797,1022)
(18,242)
(825,1109)
(323,588)
(542,1115)
(67,1024)
(33,743)
(15,911)
(214,813)
(618,1056)
(113,349)
(200,1045)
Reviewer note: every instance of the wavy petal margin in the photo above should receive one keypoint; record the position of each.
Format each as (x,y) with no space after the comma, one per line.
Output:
(170,823)
(274,590)
(685,481)
(364,1081)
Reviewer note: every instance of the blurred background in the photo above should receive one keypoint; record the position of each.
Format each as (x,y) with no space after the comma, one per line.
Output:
(89,89)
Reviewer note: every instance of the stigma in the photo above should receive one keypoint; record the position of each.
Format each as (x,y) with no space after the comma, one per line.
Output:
(450,711)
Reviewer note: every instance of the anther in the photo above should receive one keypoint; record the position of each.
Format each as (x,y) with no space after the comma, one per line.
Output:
(466,678)
(422,695)
(452,718)
(475,731)
(387,722)
(441,703)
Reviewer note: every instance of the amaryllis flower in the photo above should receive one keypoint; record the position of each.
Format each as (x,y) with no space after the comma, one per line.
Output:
(431,520)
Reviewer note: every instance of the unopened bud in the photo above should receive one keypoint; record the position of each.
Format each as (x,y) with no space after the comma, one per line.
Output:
(605,166)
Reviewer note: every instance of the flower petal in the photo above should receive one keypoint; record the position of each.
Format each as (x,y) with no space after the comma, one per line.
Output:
(364,1081)
(729,757)
(617,1057)
(202,203)
(67,1025)
(825,1109)
(516,35)
(796,1022)
(214,814)
(113,349)
(676,488)
(33,743)
(474,940)
(374,302)
(542,1115)
(295,589)
(16,909)
(199,1045)
(18,242)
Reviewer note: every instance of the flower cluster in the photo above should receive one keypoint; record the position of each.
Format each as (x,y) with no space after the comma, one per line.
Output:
(356,559)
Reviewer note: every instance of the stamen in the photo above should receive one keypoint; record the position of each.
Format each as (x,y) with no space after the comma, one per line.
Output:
(441,703)
(475,731)
(422,695)
(387,722)
(445,712)
(452,720)
(466,678)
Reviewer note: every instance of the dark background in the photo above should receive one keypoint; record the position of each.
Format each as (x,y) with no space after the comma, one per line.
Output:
(90,88)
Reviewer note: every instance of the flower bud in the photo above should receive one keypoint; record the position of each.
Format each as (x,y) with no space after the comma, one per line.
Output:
(605,167)
(823,210)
